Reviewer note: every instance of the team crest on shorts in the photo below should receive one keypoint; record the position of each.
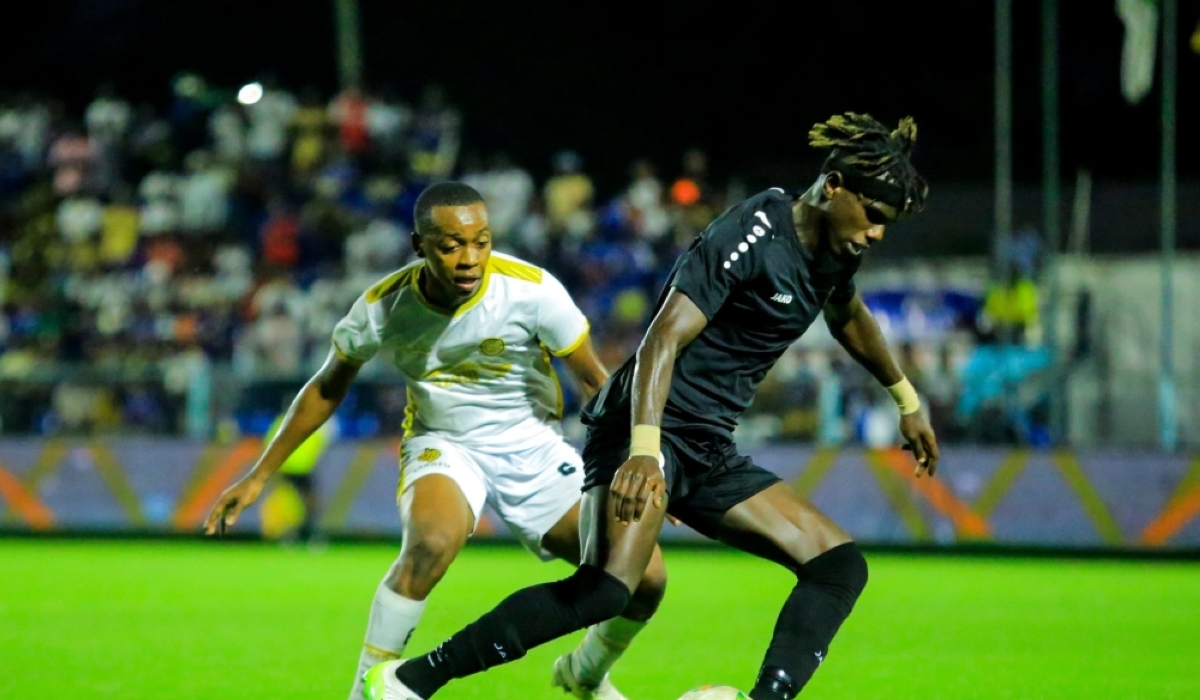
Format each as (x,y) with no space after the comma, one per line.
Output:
(429,455)
(492,347)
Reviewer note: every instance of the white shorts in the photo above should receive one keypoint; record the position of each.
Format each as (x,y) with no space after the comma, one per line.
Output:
(531,488)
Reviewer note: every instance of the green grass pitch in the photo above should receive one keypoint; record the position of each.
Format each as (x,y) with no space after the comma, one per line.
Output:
(241,621)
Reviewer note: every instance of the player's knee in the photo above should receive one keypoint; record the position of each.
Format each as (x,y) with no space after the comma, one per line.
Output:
(424,561)
(649,593)
(842,570)
(596,595)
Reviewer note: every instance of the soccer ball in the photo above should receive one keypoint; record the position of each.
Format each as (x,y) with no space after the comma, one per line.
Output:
(715,692)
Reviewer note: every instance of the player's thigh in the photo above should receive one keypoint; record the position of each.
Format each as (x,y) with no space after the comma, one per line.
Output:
(623,550)
(442,494)
(563,540)
(779,525)
(536,492)
(434,509)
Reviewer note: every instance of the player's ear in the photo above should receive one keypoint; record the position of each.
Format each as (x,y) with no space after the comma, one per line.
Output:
(416,244)
(833,182)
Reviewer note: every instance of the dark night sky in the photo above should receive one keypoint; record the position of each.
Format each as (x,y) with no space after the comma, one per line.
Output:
(744,81)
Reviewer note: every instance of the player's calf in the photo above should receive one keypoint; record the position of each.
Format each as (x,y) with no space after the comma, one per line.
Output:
(594,596)
(525,619)
(399,601)
(649,592)
(828,587)
(584,671)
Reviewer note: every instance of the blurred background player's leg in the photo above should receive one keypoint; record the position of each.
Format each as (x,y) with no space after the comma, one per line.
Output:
(298,469)
(303,484)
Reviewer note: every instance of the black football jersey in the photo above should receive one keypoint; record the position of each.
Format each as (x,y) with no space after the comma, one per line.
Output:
(760,290)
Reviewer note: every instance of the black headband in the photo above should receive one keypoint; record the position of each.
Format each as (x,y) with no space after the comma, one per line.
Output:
(869,187)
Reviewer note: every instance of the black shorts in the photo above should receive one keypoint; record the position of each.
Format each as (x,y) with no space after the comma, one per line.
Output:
(303,483)
(705,475)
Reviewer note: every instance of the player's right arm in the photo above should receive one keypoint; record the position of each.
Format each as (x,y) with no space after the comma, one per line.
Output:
(315,404)
(641,478)
(718,262)
(677,324)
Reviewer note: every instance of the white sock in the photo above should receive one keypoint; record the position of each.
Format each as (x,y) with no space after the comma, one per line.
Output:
(393,619)
(601,648)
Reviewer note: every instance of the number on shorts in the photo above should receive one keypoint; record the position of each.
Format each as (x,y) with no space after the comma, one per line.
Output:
(566,469)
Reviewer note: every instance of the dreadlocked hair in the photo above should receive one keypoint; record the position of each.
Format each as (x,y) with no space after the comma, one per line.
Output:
(860,141)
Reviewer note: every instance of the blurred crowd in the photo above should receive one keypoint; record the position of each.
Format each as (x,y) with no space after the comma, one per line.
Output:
(237,227)
(142,248)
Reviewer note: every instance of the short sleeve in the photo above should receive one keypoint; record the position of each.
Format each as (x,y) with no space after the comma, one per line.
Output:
(355,337)
(720,259)
(561,326)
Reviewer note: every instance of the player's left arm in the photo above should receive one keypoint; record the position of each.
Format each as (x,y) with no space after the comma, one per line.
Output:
(587,369)
(565,332)
(854,327)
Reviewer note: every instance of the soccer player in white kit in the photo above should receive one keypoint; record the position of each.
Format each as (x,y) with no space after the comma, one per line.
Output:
(473,333)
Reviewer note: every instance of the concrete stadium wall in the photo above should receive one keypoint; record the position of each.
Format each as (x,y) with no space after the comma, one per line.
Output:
(1058,499)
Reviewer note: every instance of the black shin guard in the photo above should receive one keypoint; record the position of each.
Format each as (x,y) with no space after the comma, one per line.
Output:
(525,619)
(822,599)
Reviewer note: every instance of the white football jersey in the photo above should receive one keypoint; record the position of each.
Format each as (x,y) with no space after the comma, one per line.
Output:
(482,373)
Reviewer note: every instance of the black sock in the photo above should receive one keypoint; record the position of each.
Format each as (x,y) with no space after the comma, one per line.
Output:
(822,599)
(525,619)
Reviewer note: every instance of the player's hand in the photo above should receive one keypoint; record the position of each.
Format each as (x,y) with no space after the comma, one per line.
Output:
(636,484)
(231,503)
(921,442)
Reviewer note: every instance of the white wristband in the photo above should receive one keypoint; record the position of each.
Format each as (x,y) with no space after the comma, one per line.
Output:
(905,397)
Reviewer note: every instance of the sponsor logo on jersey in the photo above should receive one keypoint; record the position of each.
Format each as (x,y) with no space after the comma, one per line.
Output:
(429,455)
(492,347)
(782,298)
(467,373)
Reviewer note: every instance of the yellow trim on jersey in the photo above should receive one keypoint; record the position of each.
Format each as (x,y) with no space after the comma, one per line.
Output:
(392,283)
(410,412)
(515,268)
(587,328)
(462,308)
(554,377)
(400,460)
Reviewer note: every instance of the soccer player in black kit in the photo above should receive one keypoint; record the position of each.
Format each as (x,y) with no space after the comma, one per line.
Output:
(660,433)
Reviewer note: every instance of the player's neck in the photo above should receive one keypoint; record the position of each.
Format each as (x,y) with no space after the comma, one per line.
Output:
(807,219)
(434,295)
